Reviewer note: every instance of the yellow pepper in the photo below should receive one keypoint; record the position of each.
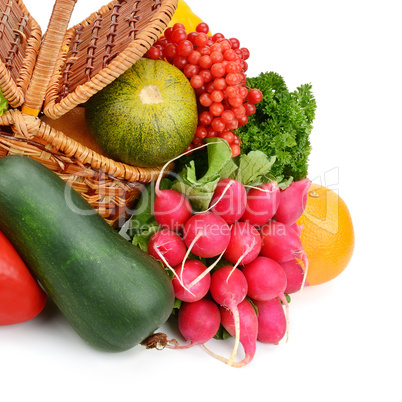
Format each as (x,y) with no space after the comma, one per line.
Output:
(184,15)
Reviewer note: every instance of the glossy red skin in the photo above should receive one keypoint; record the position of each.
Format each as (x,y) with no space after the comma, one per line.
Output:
(280,242)
(294,274)
(21,297)
(233,203)
(215,234)
(271,321)
(199,321)
(191,271)
(292,202)
(242,236)
(266,279)
(228,286)
(172,209)
(169,244)
(248,328)
(261,205)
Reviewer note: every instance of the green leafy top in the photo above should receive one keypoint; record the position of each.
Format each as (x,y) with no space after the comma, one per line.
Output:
(199,189)
(251,169)
(281,125)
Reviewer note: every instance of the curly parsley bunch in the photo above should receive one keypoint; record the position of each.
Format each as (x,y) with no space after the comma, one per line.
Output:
(281,126)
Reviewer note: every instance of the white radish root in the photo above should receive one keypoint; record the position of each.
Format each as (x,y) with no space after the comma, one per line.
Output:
(209,269)
(264,190)
(158,181)
(162,257)
(304,259)
(221,196)
(248,249)
(245,361)
(236,317)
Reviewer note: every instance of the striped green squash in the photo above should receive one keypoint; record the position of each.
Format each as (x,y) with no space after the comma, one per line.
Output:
(145,117)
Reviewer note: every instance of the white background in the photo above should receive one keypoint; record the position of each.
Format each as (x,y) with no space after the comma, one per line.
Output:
(345,336)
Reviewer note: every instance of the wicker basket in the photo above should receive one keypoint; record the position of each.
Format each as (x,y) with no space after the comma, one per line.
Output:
(55,73)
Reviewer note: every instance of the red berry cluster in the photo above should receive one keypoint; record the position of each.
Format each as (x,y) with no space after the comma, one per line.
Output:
(216,68)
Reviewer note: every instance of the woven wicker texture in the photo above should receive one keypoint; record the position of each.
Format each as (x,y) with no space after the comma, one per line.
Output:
(61,70)
(101,48)
(20,37)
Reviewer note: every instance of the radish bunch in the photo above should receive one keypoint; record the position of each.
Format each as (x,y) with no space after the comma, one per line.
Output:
(234,263)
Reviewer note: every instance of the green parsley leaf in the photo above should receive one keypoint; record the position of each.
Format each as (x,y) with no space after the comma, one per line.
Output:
(281,126)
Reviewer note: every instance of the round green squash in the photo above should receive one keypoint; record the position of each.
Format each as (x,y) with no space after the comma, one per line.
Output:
(146,116)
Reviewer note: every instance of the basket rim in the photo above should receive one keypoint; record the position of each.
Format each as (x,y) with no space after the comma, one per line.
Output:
(31,129)
(121,63)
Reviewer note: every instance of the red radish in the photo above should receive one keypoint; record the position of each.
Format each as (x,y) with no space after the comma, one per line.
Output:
(292,202)
(244,245)
(294,275)
(171,209)
(185,274)
(265,278)
(266,281)
(206,234)
(272,323)
(167,246)
(248,331)
(282,243)
(229,288)
(262,204)
(229,200)
(198,322)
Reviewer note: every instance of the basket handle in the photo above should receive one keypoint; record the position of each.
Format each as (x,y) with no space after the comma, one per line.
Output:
(47,57)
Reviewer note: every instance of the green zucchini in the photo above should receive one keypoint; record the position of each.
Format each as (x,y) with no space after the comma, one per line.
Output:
(113,294)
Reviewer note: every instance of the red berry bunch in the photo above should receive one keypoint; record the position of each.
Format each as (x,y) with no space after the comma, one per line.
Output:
(215,67)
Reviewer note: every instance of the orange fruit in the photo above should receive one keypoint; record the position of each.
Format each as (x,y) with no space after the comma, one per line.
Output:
(327,235)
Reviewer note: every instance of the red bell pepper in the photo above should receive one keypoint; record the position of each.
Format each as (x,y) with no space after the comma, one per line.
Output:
(21,297)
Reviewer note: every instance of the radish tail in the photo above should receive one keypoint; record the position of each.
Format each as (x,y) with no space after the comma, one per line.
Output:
(198,235)
(236,317)
(221,196)
(158,181)
(189,345)
(264,190)
(209,269)
(304,259)
(179,278)
(245,361)
(248,249)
